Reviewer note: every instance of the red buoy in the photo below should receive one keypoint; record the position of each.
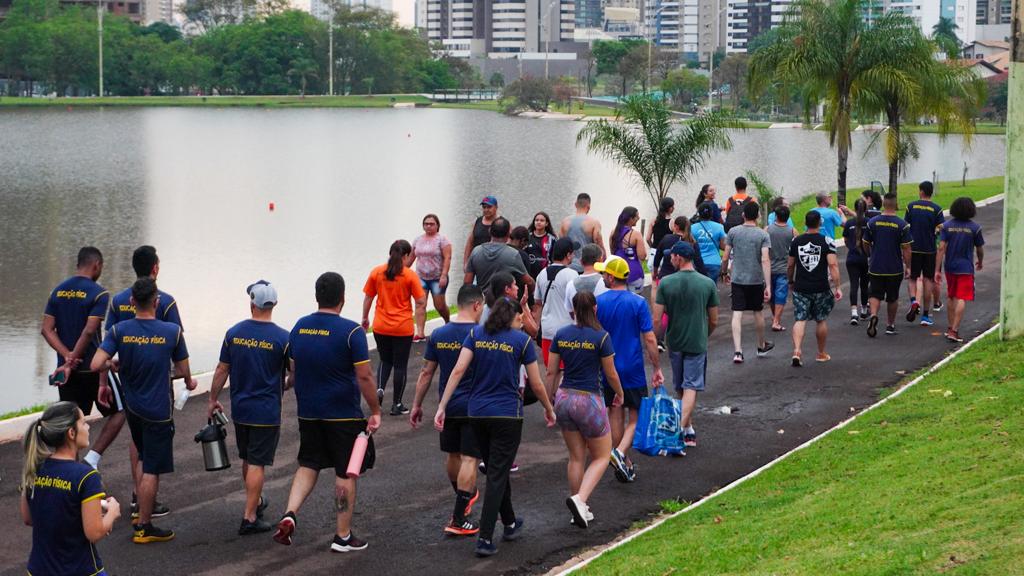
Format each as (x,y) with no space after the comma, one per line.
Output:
(271,206)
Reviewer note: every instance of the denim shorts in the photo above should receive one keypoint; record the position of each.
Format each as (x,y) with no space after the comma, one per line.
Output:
(780,289)
(713,271)
(433,286)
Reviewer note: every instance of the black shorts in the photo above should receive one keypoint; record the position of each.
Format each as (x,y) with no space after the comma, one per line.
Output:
(155,443)
(82,389)
(922,263)
(747,297)
(328,444)
(631,397)
(457,438)
(257,444)
(886,287)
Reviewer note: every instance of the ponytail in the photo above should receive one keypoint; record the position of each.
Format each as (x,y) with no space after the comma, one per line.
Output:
(702,195)
(861,207)
(503,313)
(584,307)
(683,225)
(44,436)
(399,250)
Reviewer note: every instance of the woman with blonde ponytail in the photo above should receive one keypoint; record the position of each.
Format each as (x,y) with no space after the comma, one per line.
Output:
(63,499)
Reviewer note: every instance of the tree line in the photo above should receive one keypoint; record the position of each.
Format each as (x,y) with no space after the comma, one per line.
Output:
(249,48)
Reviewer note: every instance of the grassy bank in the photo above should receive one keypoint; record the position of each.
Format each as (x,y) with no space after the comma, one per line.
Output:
(930,483)
(977,189)
(382,101)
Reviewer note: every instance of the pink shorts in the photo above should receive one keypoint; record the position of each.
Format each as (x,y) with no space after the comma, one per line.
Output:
(581,412)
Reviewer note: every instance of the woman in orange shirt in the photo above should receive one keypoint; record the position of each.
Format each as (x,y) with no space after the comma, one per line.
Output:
(393,285)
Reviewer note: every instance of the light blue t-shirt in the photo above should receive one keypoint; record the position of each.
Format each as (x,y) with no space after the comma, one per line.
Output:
(830,220)
(709,235)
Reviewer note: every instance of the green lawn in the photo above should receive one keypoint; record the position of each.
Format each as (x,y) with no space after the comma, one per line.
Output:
(23,411)
(223,101)
(977,189)
(932,482)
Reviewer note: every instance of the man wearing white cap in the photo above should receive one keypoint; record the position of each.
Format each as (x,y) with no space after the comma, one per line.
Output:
(254,355)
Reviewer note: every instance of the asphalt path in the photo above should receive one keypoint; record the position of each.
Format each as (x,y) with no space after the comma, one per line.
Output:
(405,501)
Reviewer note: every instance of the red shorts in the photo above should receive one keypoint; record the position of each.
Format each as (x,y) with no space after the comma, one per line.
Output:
(545,350)
(960,286)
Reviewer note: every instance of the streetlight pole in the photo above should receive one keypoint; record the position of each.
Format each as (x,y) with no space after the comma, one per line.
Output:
(99,30)
(650,42)
(330,55)
(711,60)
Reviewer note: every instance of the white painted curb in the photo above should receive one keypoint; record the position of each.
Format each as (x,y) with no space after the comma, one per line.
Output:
(757,472)
(14,428)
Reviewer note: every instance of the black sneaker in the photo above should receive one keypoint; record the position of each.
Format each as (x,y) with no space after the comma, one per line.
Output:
(937,307)
(873,327)
(159,509)
(380,396)
(461,528)
(261,507)
(258,527)
(661,346)
(350,544)
(482,467)
(513,532)
(485,548)
(147,534)
(763,351)
(399,409)
(890,330)
(737,358)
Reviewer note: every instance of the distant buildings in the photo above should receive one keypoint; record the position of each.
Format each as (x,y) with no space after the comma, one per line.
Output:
(499,28)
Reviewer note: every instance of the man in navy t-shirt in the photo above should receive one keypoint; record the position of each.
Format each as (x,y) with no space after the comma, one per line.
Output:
(889,239)
(443,349)
(147,347)
(924,217)
(254,355)
(627,319)
(72,327)
(330,364)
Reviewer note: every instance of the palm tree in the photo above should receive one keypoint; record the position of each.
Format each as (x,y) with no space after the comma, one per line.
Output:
(827,51)
(644,140)
(305,69)
(944,33)
(944,91)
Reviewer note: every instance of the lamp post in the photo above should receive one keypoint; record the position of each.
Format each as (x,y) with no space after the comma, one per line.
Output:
(99,32)
(650,42)
(330,54)
(711,59)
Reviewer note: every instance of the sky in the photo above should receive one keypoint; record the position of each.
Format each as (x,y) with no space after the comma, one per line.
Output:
(406,10)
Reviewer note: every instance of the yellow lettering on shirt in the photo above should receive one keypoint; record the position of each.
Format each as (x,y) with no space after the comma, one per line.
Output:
(314,332)
(960,230)
(448,345)
(72,294)
(889,224)
(143,340)
(126,308)
(923,207)
(50,482)
(576,345)
(494,345)
(253,343)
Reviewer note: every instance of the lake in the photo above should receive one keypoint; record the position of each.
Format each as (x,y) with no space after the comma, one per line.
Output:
(196,183)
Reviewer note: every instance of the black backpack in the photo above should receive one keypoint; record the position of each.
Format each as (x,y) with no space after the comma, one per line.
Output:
(734,216)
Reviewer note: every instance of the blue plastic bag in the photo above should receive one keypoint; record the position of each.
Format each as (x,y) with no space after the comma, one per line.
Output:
(657,429)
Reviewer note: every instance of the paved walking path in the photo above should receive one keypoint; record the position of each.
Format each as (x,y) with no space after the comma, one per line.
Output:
(404,502)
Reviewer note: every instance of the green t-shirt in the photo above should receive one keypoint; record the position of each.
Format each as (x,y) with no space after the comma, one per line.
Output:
(686,296)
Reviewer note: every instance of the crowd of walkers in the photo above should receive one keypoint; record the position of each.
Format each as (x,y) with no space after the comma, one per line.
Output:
(579,300)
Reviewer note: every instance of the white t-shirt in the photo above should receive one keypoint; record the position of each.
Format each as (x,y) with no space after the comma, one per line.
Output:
(570,290)
(553,316)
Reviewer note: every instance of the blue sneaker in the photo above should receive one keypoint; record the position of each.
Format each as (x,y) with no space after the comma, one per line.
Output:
(485,548)
(926,321)
(513,532)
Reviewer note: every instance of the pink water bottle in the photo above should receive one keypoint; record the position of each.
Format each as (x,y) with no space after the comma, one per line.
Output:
(355,462)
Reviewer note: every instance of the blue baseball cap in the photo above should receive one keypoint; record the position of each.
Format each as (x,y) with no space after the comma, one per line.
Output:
(489,201)
(684,249)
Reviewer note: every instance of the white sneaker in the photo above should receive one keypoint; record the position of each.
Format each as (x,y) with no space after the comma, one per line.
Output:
(579,510)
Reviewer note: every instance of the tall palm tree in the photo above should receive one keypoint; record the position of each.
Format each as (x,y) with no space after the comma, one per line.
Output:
(645,141)
(944,91)
(944,33)
(825,50)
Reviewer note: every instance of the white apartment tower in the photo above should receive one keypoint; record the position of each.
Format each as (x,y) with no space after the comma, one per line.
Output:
(498,28)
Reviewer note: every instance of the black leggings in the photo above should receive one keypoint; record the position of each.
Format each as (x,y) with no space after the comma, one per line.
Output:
(498,440)
(394,354)
(858,272)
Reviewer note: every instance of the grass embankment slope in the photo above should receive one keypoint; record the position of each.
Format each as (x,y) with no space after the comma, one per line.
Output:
(977,189)
(381,101)
(932,482)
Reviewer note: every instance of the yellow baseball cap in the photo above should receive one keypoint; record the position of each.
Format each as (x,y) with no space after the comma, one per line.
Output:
(615,266)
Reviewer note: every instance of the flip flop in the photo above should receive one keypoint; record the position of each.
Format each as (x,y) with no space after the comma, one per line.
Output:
(778,329)
(824,358)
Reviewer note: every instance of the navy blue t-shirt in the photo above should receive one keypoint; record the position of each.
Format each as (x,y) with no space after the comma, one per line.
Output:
(854,253)
(326,349)
(256,352)
(121,308)
(444,347)
(147,348)
(924,216)
(627,318)
(581,350)
(59,544)
(887,236)
(961,238)
(496,361)
(71,304)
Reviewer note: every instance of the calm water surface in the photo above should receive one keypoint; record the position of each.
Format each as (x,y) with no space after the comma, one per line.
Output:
(346,183)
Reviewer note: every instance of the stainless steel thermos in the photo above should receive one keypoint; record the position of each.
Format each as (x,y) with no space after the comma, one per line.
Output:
(213,438)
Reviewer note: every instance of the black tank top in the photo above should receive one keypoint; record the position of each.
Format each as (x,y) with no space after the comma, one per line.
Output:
(481,232)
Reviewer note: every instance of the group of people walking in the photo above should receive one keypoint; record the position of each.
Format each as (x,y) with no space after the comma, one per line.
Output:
(580,299)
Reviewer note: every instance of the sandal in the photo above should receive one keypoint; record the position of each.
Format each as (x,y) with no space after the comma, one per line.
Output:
(822,358)
(778,328)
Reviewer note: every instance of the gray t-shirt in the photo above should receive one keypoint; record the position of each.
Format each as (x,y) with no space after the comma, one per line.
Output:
(488,259)
(781,237)
(747,242)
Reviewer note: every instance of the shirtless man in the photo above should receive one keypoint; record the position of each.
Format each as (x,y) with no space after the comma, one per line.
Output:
(582,229)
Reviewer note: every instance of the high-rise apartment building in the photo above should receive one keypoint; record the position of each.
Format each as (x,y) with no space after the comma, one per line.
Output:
(589,13)
(674,25)
(498,28)
(748,19)
(991,12)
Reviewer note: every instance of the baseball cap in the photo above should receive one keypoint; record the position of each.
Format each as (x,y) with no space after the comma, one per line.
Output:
(615,266)
(561,248)
(489,201)
(684,249)
(262,294)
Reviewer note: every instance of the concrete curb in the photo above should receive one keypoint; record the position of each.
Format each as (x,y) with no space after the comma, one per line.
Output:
(14,428)
(579,562)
